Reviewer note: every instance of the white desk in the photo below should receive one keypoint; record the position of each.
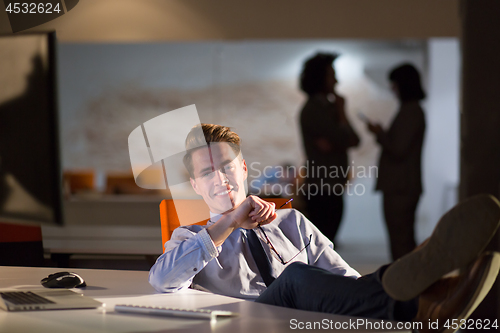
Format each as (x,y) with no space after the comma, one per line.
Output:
(114,287)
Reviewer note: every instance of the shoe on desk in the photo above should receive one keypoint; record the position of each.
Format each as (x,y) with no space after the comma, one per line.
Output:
(460,236)
(457,297)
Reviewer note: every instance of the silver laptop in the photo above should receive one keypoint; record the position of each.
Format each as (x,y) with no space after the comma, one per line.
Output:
(44,299)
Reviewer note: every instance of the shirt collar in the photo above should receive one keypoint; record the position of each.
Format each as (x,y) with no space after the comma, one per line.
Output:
(213,218)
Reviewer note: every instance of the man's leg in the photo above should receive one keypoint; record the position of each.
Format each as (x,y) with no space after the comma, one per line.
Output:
(457,242)
(456,245)
(309,288)
(305,287)
(458,239)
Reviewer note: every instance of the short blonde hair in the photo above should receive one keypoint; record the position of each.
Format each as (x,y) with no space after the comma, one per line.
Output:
(211,133)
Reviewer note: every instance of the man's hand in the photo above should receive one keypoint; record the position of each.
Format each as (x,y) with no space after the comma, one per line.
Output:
(253,212)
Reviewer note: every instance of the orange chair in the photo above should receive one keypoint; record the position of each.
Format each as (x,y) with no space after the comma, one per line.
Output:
(20,245)
(79,180)
(122,183)
(170,221)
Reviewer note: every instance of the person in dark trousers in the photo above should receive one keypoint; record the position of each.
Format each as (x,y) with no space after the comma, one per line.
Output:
(327,135)
(400,175)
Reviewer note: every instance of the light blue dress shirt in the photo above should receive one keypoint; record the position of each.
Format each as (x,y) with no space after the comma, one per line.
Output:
(192,258)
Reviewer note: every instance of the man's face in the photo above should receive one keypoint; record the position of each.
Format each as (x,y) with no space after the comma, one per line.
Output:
(219,177)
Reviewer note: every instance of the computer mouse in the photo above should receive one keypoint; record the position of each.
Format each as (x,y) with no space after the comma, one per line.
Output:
(63,280)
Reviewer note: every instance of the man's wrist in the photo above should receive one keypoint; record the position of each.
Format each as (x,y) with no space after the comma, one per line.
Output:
(232,223)
(221,229)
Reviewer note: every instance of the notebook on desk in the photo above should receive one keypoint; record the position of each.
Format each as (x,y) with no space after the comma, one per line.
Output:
(44,299)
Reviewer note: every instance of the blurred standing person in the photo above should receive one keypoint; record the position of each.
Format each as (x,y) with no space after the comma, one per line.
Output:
(400,178)
(327,135)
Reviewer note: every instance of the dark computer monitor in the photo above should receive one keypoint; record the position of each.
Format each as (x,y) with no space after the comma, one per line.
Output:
(30,173)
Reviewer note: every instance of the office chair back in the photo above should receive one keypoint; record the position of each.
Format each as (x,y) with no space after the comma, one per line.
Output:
(170,221)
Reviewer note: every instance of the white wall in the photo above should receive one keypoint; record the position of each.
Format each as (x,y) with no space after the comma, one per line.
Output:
(106,90)
(441,150)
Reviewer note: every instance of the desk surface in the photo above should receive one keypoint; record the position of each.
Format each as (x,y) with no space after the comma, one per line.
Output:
(117,287)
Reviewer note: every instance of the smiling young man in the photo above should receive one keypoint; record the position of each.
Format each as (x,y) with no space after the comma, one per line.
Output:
(250,250)
(218,256)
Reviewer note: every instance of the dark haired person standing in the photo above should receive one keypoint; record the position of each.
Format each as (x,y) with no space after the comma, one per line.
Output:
(327,135)
(400,178)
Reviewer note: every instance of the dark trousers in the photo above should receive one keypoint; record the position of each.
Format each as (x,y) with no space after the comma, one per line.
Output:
(305,287)
(399,213)
(325,211)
